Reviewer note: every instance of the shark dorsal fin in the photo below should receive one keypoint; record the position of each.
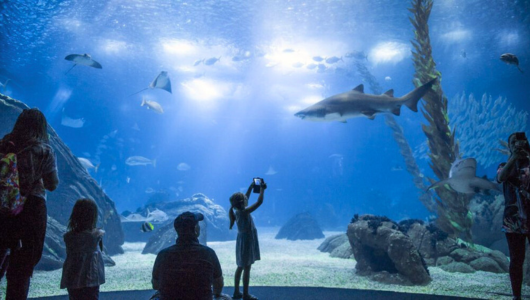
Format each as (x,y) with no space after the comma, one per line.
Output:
(389,93)
(359,88)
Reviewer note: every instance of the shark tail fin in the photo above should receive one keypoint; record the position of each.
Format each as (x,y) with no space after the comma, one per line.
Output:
(412,98)
(97,167)
(143,102)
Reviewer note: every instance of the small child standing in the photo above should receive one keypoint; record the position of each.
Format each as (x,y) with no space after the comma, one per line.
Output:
(83,269)
(247,245)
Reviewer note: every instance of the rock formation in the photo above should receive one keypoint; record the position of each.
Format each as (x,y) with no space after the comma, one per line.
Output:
(75,183)
(300,227)
(384,253)
(215,226)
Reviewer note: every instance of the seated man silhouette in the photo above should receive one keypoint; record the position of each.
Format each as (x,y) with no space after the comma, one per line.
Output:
(188,270)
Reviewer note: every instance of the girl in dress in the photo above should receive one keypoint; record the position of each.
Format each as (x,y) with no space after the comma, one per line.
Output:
(247,245)
(83,269)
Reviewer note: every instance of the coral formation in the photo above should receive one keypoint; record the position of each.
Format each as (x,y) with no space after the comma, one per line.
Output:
(451,207)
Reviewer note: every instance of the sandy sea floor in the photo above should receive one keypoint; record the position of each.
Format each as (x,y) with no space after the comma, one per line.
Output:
(283,263)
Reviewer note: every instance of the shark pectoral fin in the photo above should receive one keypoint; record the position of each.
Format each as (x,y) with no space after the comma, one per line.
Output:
(389,93)
(396,110)
(370,114)
(359,88)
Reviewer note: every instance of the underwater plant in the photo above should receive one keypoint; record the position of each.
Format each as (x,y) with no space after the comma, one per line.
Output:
(454,216)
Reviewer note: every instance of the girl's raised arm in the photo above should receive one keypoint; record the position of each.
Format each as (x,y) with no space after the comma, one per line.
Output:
(258,203)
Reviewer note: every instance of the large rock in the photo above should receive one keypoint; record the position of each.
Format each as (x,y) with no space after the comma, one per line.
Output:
(384,253)
(75,183)
(300,227)
(215,226)
(438,249)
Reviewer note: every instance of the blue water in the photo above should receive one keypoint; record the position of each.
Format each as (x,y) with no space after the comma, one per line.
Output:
(233,120)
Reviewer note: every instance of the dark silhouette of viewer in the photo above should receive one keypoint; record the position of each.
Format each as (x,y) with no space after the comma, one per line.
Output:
(23,234)
(515,178)
(188,270)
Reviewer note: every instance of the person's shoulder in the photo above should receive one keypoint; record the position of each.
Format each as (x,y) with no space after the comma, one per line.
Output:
(168,250)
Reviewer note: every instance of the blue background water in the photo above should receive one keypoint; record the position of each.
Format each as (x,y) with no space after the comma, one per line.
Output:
(232,120)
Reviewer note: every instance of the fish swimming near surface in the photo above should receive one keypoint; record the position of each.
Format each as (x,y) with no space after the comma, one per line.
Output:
(140,161)
(311,66)
(198,62)
(161,81)
(356,103)
(211,61)
(318,58)
(463,179)
(88,164)
(147,227)
(82,59)
(183,167)
(359,55)
(153,105)
(333,59)
(511,59)
(71,122)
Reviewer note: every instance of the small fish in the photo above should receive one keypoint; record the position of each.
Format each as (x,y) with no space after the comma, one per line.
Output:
(396,168)
(4,85)
(297,65)
(183,167)
(153,105)
(311,66)
(388,78)
(82,59)
(318,58)
(211,61)
(128,179)
(511,59)
(147,227)
(88,164)
(198,62)
(321,68)
(333,59)
(149,190)
(357,55)
(463,54)
(140,161)
(70,122)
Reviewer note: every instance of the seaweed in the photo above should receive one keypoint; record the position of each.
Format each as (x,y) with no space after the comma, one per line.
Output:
(451,207)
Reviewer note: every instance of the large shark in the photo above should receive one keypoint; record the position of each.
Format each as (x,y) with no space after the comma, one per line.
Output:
(356,103)
(463,179)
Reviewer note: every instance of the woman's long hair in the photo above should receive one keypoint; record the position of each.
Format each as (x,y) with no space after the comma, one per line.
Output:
(31,127)
(84,216)
(237,201)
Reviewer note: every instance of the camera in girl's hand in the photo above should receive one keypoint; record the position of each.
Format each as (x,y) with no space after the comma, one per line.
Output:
(257,184)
